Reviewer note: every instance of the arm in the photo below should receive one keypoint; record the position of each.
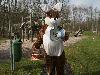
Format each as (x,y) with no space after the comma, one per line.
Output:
(66,36)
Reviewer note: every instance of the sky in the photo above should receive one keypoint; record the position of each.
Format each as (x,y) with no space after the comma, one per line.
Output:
(93,3)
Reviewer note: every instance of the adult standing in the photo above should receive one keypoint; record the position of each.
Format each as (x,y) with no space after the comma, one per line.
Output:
(53,40)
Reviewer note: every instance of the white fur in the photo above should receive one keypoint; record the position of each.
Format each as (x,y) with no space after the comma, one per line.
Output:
(52,48)
(51,22)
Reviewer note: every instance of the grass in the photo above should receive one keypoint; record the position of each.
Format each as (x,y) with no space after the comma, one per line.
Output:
(24,67)
(84,57)
(88,33)
(2,39)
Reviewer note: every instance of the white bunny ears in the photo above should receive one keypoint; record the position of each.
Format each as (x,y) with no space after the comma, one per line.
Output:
(46,7)
(58,6)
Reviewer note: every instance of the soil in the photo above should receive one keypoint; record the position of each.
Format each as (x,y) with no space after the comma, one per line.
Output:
(27,45)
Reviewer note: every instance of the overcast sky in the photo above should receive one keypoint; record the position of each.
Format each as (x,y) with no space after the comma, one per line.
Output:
(94,3)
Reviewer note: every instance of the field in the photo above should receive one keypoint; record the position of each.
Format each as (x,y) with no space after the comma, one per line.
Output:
(84,58)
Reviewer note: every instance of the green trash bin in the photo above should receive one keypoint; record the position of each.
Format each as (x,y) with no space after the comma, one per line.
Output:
(17,50)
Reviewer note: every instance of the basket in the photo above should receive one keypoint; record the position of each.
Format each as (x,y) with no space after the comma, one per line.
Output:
(38,54)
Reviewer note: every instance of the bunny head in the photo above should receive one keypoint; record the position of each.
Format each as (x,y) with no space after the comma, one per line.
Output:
(52,14)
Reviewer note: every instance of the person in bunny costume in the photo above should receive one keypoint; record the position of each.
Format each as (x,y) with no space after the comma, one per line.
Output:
(53,38)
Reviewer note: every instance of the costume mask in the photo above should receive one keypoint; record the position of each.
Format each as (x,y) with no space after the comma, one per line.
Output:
(55,22)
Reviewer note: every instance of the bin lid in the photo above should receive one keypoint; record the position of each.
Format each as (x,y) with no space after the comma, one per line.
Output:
(17,41)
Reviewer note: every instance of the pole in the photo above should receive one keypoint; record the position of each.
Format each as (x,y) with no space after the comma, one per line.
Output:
(25,32)
(74,23)
(10,37)
(31,25)
(96,24)
(11,55)
(9,29)
(91,19)
(22,31)
(12,52)
(11,49)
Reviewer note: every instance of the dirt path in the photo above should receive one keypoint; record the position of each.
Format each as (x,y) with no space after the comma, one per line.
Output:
(27,45)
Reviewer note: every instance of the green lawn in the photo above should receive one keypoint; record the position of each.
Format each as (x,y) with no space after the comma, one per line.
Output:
(83,56)
(24,67)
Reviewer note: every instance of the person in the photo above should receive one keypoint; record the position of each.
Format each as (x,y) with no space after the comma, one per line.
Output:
(53,40)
